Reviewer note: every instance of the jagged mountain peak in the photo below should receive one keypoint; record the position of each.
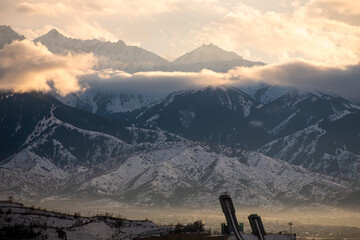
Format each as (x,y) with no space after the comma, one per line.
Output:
(207,53)
(7,35)
(121,42)
(5,28)
(54,32)
(116,55)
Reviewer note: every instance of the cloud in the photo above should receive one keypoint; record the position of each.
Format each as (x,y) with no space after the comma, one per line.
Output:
(303,75)
(306,32)
(348,7)
(152,83)
(25,66)
(270,31)
(133,8)
(42,8)
(162,26)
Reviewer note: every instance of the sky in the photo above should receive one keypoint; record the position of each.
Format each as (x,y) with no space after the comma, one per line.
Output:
(272,31)
(308,44)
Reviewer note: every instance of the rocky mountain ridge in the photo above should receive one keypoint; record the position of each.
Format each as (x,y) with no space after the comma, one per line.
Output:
(71,153)
(132,59)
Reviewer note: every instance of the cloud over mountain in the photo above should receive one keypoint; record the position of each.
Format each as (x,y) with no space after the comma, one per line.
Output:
(271,31)
(25,66)
(342,80)
(307,76)
(152,83)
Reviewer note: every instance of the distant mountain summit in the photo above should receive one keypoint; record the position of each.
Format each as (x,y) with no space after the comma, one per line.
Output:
(211,57)
(7,35)
(206,53)
(52,35)
(134,59)
(111,55)
(118,55)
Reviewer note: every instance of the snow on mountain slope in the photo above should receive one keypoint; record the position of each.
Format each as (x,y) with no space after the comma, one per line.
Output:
(29,176)
(56,155)
(152,172)
(293,147)
(53,152)
(72,153)
(212,114)
(7,35)
(229,98)
(321,148)
(20,221)
(108,103)
(296,110)
(157,177)
(111,55)
(339,115)
(264,93)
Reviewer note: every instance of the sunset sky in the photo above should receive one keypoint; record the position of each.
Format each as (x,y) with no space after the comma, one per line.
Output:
(308,44)
(273,31)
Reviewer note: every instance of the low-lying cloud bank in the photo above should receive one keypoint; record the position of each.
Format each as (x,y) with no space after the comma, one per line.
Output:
(343,81)
(306,76)
(25,66)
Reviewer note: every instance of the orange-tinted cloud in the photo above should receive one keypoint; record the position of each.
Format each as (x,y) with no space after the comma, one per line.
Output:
(348,7)
(42,8)
(25,66)
(279,37)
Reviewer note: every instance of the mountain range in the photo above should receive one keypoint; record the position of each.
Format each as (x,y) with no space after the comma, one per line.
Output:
(267,145)
(118,55)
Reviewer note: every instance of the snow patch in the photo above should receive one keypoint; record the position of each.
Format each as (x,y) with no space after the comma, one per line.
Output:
(338,115)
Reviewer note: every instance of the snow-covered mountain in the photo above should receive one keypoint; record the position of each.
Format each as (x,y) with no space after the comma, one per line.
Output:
(7,35)
(157,177)
(329,146)
(317,130)
(67,152)
(262,118)
(264,93)
(211,114)
(113,104)
(137,148)
(230,116)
